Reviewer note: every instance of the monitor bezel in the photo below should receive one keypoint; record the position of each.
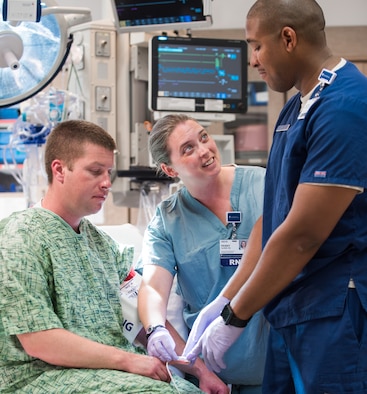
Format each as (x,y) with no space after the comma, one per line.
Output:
(240,104)
(160,28)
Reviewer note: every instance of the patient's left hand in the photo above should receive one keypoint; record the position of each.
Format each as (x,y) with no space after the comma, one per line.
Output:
(213,385)
(209,382)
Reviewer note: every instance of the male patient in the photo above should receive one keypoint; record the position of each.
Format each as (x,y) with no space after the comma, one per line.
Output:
(60,311)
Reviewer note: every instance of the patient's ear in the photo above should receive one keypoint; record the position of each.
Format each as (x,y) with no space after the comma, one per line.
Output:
(169,170)
(58,170)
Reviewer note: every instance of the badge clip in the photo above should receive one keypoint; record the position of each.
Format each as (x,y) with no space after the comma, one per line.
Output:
(234,217)
(327,76)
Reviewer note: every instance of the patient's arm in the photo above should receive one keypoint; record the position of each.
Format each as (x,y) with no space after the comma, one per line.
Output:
(63,348)
(208,381)
(153,298)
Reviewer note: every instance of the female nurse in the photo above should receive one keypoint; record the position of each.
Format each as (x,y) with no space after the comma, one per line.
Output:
(198,234)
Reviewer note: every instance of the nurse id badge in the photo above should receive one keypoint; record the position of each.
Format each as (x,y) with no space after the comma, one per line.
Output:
(231,251)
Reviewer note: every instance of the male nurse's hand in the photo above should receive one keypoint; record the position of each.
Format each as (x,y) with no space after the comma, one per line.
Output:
(214,343)
(205,317)
(161,345)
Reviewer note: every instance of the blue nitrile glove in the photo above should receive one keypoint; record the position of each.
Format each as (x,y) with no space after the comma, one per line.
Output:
(215,341)
(206,316)
(161,345)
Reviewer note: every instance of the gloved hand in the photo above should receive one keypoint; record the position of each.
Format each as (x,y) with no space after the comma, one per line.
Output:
(206,316)
(161,345)
(215,341)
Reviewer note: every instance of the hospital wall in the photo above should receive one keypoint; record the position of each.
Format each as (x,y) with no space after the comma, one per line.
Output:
(346,33)
(337,12)
(345,41)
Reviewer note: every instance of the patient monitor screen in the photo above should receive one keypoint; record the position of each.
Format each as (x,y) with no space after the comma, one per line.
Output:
(137,15)
(198,75)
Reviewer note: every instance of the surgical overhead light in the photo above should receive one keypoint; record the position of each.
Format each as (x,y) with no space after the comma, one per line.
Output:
(11,49)
(32,53)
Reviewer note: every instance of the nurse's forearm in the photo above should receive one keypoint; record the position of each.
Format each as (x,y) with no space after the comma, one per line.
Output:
(152,306)
(153,295)
(315,212)
(278,266)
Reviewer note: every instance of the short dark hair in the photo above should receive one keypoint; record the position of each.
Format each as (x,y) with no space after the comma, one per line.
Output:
(67,140)
(304,16)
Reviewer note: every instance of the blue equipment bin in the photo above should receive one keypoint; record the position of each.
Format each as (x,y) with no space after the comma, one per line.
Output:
(12,155)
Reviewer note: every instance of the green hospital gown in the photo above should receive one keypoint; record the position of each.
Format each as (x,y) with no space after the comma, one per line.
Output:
(52,277)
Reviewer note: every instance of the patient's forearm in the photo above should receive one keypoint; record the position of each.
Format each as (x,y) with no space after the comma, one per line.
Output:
(206,378)
(63,348)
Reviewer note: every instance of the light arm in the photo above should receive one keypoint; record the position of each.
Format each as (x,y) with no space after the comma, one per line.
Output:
(153,295)
(63,348)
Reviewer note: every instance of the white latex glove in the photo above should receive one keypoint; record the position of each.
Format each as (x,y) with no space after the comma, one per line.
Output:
(161,345)
(206,316)
(215,341)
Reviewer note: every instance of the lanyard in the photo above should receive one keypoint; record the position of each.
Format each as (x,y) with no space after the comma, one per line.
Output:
(326,78)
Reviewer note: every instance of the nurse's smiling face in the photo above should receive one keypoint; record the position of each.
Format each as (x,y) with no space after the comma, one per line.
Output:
(193,153)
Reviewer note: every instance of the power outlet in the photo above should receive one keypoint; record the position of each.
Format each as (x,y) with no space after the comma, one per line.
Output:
(103,44)
(103,98)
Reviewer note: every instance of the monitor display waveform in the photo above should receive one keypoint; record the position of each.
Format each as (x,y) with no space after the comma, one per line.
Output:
(212,73)
(163,69)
